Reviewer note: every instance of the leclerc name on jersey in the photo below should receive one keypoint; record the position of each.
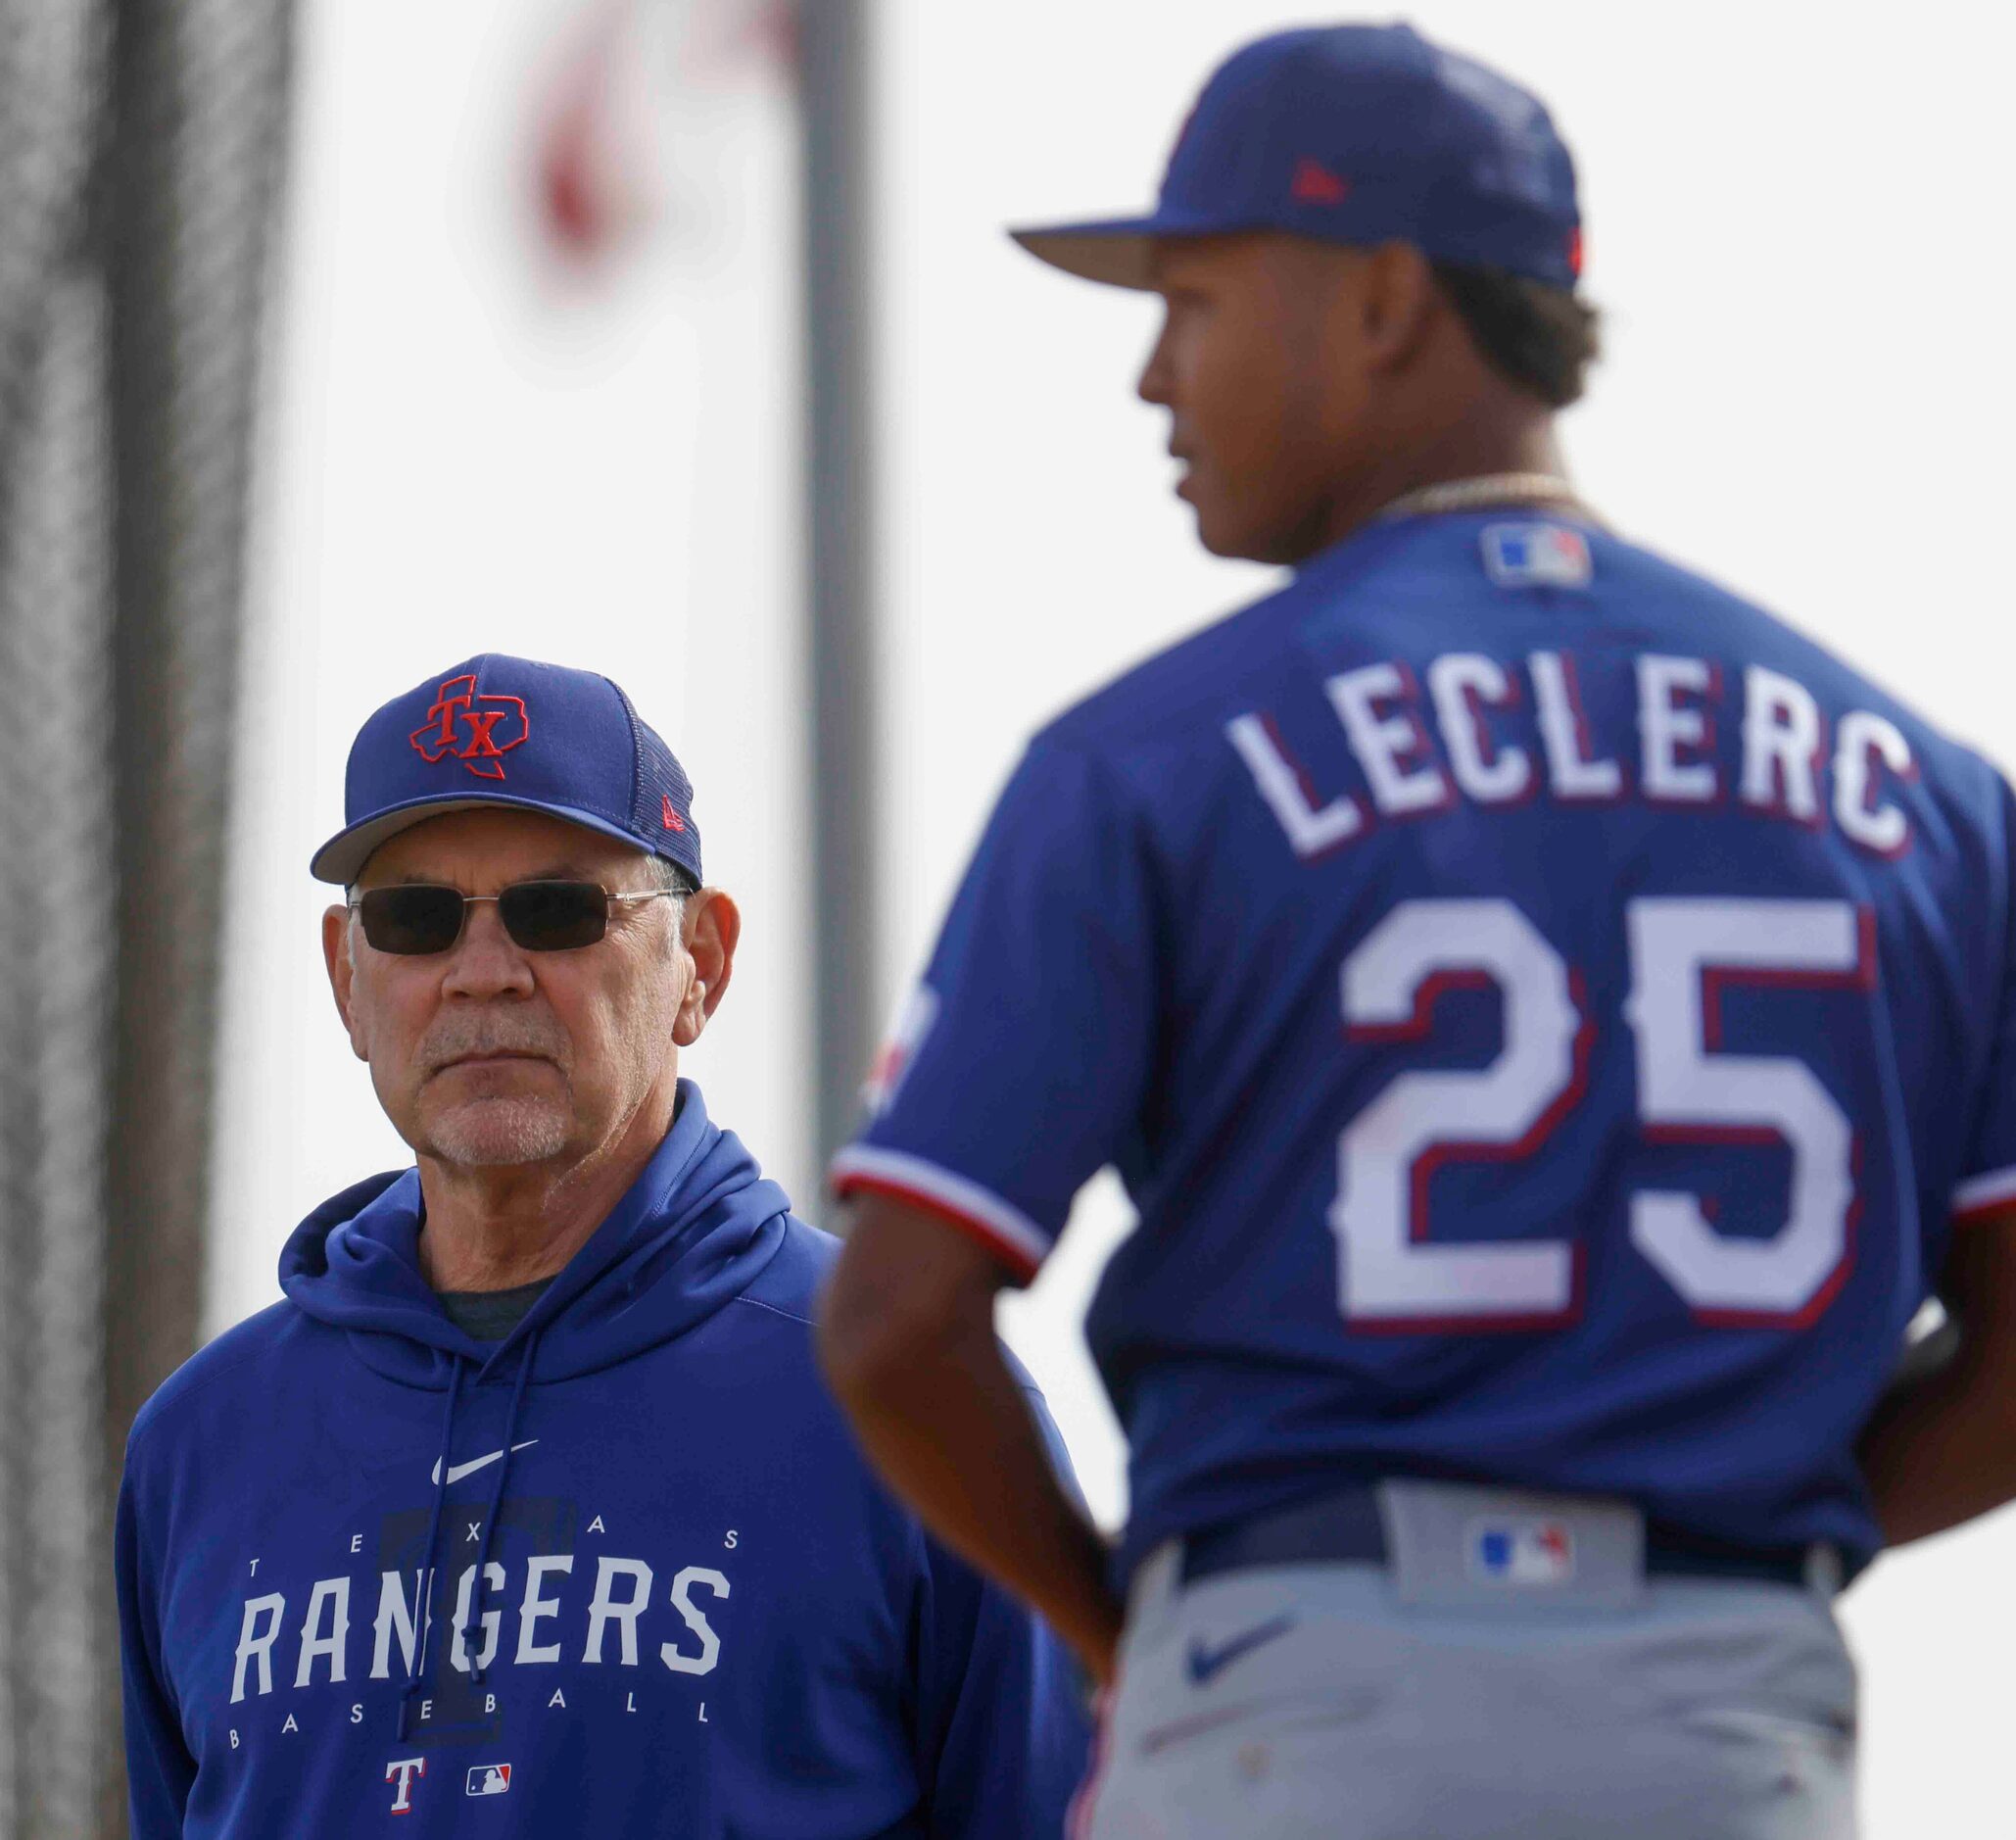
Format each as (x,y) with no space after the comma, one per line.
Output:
(1787,768)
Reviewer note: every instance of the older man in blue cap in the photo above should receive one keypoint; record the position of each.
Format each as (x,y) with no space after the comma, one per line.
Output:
(1556,1023)
(528,1492)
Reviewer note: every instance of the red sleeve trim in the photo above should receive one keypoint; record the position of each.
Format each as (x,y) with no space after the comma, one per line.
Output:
(999,1245)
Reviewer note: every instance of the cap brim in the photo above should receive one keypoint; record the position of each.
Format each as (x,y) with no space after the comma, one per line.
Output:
(344,854)
(1117,251)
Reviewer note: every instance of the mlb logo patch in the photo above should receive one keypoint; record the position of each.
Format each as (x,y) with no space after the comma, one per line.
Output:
(1521,1552)
(490,1779)
(1536,556)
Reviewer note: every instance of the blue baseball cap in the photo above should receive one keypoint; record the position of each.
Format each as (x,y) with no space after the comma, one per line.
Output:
(500,731)
(1358,134)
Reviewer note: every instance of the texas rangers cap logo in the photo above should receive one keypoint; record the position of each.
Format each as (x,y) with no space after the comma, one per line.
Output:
(469,725)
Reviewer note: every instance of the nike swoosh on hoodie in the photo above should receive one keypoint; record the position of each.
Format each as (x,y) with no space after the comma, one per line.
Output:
(456,1470)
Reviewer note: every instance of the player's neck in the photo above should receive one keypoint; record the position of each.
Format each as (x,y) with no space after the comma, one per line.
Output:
(1491,442)
(497,1227)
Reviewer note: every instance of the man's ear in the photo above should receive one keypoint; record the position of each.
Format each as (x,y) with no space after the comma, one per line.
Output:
(1396,299)
(712,927)
(342,973)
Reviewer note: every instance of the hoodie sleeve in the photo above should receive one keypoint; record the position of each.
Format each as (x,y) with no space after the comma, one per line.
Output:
(1001,1729)
(159,1767)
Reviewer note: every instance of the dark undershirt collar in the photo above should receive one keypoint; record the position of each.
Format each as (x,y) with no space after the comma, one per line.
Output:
(491,1315)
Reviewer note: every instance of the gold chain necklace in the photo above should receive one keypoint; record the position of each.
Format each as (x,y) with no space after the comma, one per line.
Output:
(1470,495)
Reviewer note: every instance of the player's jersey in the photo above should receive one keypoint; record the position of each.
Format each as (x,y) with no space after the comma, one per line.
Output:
(1546,1013)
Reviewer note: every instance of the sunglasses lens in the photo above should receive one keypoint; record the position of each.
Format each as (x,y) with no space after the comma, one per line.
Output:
(413,920)
(553,916)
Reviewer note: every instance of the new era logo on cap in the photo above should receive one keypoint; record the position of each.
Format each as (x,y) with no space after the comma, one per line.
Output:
(1316,184)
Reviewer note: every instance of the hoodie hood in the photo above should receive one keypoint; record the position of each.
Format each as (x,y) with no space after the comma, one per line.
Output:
(692,1232)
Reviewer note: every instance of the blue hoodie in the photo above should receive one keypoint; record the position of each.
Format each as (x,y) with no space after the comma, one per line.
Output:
(671,1600)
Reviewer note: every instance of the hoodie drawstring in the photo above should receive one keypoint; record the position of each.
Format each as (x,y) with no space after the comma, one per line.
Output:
(423,1609)
(496,1494)
(416,1671)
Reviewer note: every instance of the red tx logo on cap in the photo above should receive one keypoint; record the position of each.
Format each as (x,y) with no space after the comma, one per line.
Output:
(454,718)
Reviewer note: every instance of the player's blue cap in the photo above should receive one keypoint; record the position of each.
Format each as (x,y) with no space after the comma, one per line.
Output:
(1360,135)
(502,731)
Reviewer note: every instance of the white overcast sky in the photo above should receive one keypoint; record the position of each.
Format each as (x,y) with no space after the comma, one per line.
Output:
(1798,226)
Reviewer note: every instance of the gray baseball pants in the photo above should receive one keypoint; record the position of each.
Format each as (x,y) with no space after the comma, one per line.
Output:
(1294,1701)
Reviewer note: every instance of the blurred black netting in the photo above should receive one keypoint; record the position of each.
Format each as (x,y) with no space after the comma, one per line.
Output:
(141,148)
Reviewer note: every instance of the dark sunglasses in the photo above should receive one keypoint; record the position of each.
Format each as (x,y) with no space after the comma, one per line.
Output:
(416,918)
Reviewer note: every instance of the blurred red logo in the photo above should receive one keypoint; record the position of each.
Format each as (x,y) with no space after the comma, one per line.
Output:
(913,1023)
(478,730)
(1316,184)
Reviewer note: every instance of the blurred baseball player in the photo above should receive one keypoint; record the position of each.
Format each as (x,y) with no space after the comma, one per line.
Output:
(529,1489)
(1557,1025)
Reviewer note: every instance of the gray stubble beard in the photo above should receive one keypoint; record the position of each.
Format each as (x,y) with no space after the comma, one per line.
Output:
(500,1133)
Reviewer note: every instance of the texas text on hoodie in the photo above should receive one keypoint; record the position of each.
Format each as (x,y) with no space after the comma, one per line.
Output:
(670,1600)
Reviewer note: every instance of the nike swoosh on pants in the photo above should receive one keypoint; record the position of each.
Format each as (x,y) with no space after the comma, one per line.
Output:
(1205,1663)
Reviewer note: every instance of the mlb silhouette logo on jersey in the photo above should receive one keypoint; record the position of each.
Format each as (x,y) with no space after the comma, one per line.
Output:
(490,1779)
(464,724)
(1522,1552)
(1536,556)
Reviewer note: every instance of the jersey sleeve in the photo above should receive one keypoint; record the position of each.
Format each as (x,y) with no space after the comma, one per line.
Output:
(1019,1066)
(1988,1183)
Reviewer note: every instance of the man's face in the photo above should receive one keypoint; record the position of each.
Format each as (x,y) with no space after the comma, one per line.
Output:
(1253,366)
(488,1054)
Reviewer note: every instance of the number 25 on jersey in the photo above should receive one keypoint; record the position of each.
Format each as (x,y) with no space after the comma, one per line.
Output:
(1394,1275)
